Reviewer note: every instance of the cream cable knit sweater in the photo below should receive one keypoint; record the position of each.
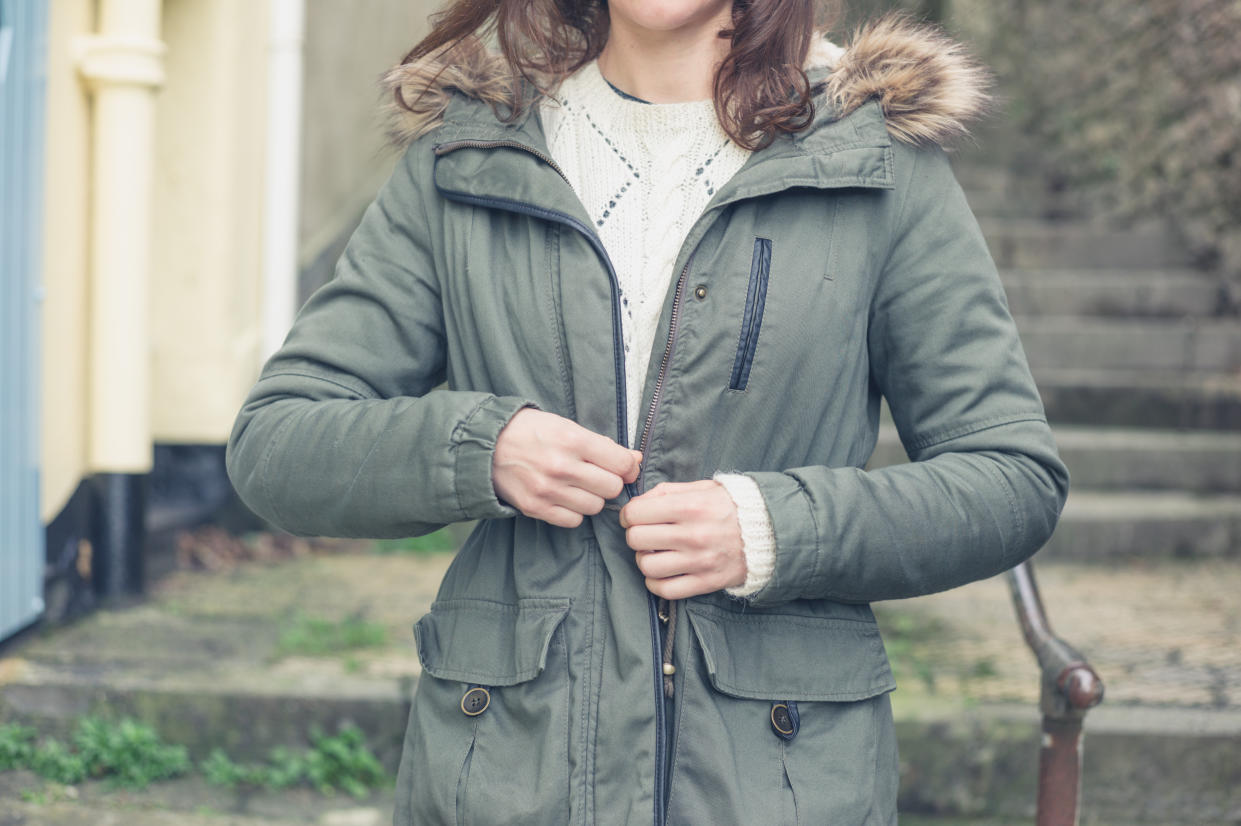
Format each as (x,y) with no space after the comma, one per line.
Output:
(645,172)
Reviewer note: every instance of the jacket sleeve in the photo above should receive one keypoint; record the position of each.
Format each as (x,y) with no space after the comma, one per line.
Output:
(343,434)
(985,486)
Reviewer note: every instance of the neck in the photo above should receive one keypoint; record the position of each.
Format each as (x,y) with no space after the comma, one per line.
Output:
(664,67)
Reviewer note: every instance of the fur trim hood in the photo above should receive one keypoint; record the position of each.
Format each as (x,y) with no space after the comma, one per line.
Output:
(928,85)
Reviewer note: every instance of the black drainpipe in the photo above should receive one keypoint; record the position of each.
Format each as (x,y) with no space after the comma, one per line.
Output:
(117,568)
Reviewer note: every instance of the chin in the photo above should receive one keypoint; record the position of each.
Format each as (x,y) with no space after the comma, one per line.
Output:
(671,16)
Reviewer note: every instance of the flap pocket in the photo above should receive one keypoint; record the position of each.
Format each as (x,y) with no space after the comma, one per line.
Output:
(763,656)
(488,643)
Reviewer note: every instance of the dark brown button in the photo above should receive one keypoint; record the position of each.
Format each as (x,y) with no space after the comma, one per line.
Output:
(700,292)
(475,701)
(784,720)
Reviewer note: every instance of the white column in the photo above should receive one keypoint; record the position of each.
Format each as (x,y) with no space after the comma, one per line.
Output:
(283,168)
(123,65)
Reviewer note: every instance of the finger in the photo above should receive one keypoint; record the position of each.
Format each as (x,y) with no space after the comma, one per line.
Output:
(577,500)
(655,537)
(594,479)
(663,564)
(650,508)
(558,516)
(637,468)
(607,454)
(679,587)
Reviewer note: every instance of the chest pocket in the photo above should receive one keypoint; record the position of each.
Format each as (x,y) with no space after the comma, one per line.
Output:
(752,317)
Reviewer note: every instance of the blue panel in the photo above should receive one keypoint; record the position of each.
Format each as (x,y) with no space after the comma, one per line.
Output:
(23,51)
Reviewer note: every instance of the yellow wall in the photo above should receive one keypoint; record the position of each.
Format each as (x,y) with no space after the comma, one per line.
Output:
(207,226)
(207,233)
(63,414)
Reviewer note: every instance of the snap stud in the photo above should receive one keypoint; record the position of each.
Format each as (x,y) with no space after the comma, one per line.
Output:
(700,292)
(475,701)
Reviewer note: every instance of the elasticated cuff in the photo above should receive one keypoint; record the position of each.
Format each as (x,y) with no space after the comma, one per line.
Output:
(474,444)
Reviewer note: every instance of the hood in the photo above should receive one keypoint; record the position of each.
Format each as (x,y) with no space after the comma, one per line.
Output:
(927,84)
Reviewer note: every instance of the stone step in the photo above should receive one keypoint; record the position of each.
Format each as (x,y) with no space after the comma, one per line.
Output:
(1143,399)
(1132,344)
(1101,526)
(1139,766)
(1111,459)
(202,660)
(1125,292)
(1037,244)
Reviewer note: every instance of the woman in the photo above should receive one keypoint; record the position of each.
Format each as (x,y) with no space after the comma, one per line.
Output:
(666,277)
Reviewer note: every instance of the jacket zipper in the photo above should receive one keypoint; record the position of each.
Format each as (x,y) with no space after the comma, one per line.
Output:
(622,416)
(657,644)
(649,421)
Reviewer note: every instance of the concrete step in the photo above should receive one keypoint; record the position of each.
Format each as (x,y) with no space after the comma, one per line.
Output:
(1165,766)
(1038,244)
(201,660)
(1129,459)
(1147,293)
(28,800)
(1101,526)
(1132,344)
(1141,398)
(1165,746)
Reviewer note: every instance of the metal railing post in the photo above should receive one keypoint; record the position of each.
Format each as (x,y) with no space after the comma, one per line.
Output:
(1069,688)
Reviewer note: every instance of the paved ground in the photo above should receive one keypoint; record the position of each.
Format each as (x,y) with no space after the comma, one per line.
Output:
(227,658)
(1159,634)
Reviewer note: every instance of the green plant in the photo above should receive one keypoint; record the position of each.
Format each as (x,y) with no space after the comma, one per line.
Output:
(334,762)
(127,752)
(16,746)
(315,637)
(343,761)
(906,637)
(54,761)
(441,541)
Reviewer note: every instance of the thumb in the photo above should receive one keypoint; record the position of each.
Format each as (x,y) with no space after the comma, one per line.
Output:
(632,474)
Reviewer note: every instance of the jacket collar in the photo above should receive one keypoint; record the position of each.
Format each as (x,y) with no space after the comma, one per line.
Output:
(482,158)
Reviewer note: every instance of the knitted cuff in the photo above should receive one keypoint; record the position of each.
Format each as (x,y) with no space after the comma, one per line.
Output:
(758,541)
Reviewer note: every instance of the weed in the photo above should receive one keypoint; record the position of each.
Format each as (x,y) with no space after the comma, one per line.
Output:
(334,762)
(441,541)
(906,637)
(54,761)
(343,762)
(313,637)
(127,753)
(16,745)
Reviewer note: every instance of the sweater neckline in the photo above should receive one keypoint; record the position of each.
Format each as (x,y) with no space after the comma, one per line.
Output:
(613,110)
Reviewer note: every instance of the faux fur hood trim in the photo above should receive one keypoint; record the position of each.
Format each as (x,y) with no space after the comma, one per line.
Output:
(929,86)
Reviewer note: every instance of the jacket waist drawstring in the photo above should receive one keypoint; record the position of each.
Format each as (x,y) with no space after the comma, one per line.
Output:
(668,613)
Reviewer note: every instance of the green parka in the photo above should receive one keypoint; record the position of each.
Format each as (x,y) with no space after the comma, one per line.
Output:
(839,265)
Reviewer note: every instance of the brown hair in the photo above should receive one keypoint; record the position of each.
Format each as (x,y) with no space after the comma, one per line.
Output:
(760,89)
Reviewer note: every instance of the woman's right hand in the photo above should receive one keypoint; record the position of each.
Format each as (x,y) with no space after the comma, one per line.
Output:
(552,468)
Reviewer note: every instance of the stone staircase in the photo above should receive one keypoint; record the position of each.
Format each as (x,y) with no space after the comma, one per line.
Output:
(1137,353)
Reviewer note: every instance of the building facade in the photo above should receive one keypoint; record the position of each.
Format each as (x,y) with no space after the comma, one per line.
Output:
(188,170)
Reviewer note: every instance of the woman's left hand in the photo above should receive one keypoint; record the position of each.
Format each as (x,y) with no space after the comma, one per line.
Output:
(687,538)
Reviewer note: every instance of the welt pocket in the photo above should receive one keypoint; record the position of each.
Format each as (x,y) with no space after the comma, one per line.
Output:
(752,317)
